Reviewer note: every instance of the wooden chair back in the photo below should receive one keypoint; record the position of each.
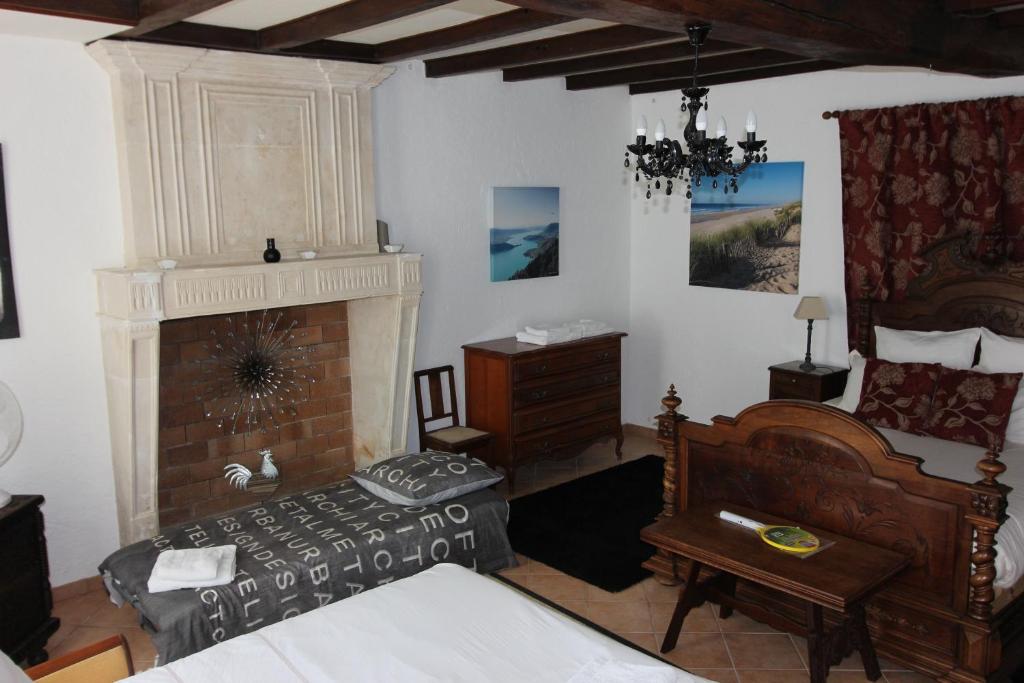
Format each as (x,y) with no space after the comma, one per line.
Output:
(107,661)
(434,410)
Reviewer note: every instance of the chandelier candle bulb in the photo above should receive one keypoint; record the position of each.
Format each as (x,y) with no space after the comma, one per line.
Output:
(702,120)
(751,122)
(641,126)
(722,128)
(659,131)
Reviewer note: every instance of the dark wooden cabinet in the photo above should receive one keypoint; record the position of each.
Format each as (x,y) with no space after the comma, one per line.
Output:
(544,401)
(25,597)
(820,384)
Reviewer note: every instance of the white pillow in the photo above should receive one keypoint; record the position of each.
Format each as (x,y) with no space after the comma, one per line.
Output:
(854,382)
(952,349)
(1005,354)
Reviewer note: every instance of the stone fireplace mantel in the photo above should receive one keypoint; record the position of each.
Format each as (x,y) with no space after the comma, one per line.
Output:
(383,294)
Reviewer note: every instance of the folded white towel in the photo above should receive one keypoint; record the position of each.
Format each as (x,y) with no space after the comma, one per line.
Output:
(223,556)
(533,339)
(187,564)
(605,670)
(541,330)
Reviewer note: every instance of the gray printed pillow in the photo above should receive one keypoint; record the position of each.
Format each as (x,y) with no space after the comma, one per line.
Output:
(425,478)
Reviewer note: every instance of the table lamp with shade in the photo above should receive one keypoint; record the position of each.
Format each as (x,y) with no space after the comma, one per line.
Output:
(810,308)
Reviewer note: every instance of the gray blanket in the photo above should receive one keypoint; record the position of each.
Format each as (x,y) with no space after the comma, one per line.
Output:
(304,551)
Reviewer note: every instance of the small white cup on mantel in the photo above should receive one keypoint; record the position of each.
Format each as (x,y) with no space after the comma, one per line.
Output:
(394,248)
(308,255)
(166,264)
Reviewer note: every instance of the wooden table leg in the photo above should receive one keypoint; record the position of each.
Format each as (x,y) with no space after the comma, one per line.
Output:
(862,641)
(817,644)
(728,588)
(688,597)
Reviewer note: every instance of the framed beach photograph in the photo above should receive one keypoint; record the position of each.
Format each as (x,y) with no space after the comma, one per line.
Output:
(524,233)
(749,240)
(8,308)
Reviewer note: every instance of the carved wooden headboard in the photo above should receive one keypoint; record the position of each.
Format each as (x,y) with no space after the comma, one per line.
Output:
(955,291)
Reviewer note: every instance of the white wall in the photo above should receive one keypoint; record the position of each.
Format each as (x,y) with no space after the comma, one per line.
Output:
(714,344)
(442,144)
(64,214)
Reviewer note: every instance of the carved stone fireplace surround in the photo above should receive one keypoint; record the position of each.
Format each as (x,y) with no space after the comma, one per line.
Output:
(218,151)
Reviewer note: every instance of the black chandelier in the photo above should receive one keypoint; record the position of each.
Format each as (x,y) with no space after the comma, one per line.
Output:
(705,157)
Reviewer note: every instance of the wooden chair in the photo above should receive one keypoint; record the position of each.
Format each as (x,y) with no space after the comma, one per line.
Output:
(452,438)
(107,661)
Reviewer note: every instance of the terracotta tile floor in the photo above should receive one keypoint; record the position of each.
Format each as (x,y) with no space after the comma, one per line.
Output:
(735,650)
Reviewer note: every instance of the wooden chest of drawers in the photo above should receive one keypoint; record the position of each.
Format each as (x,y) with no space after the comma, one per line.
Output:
(544,401)
(25,597)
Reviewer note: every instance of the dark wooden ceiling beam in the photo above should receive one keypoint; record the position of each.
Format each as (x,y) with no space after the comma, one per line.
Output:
(1014,19)
(242,40)
(460,35)
(156,14)
(570,45)
(332,21)
(982,5)
(907,32)
(665,52)
(809,66)
(108,11)
(736,61)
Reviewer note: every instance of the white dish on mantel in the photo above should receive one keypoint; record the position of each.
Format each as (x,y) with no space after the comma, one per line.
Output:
(308,255)
(394,248)
(167,264)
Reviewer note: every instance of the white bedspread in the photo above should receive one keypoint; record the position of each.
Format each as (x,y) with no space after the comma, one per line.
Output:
(956,461)
(444,624)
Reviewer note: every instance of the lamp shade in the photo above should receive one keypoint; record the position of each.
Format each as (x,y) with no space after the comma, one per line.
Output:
(811,308)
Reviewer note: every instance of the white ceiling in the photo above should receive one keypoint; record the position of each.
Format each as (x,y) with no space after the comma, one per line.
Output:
(59,28)
(258,14)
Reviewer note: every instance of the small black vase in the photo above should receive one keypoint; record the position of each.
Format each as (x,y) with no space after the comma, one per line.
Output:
(271,254)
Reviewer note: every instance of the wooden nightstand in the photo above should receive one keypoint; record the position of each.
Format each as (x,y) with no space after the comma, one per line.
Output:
(820,384)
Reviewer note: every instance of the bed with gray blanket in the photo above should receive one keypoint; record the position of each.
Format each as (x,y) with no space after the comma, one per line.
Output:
(301,552)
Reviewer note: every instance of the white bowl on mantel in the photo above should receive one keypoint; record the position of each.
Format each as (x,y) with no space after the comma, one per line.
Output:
(394,248)
(166,264)
(308,255)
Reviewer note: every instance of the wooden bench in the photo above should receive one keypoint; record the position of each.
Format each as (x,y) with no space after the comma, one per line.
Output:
(840,577)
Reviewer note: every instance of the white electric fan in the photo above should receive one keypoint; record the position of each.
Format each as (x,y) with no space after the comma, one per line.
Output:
(10,431)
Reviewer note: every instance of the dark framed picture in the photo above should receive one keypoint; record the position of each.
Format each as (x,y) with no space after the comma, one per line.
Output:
(8,306)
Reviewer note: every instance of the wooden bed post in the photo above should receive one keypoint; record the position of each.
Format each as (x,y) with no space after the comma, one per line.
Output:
(668,437)
(989,502)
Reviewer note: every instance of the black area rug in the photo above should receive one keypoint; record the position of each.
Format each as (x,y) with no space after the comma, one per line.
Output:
(589,528)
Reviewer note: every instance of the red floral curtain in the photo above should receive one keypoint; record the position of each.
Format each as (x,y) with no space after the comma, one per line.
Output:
(915,174)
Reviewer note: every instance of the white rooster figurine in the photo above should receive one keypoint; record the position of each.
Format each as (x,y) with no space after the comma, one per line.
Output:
(239,474)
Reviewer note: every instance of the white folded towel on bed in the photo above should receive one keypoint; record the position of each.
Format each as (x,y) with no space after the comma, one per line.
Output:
(193,568)
(605,670)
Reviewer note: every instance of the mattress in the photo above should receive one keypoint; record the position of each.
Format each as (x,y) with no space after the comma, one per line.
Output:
(444,624)
(301,552)
(957,461)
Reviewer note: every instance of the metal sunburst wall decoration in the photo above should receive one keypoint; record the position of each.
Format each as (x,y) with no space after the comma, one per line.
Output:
(254,375)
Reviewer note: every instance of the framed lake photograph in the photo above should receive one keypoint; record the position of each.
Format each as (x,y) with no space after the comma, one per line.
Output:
(8,308)
(524,233)
(749,240)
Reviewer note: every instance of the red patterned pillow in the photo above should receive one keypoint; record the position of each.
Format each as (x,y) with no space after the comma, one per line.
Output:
(897,395)
(973,407)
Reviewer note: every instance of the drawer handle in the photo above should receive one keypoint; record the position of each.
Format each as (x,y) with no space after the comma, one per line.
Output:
(539,394)
(542,368)
(606,355)
(792,380)
(544,420)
